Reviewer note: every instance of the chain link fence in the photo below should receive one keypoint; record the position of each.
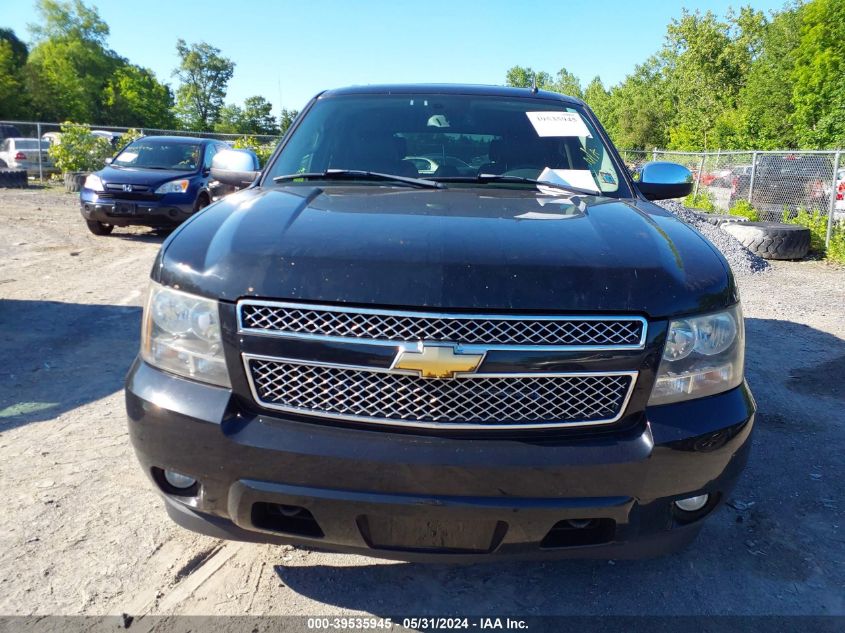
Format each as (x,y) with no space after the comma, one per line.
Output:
(51,133)
(776,184)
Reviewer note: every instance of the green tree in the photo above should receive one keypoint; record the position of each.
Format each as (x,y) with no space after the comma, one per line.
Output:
(762,118)
(598,98)
(69,66)
(229,119)
(203,74)
(258,116)
(641,108)
(567,84)
(19,51)
(69,20)
(818,92)
(255,117)
(286,119)
(13,98)
(524,77)
(66,78)
(134,97)
(706,75)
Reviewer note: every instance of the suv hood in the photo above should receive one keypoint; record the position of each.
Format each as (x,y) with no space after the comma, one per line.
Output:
(480,248)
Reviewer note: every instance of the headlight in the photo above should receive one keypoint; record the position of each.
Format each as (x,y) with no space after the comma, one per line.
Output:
(94,183)
(703,356)
(174,186)
(181,334)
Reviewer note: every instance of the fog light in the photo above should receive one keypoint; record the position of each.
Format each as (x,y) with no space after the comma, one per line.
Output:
(692,504)
(178,480)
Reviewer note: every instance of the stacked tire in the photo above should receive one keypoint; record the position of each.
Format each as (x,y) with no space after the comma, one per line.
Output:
(771,240)
(13,178)
(717,219)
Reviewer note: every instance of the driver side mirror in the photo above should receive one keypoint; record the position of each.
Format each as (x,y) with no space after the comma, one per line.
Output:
(234,167)
(109,160)
(660,181)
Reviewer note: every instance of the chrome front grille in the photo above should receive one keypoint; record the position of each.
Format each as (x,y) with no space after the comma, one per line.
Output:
(391,327)
(470,401)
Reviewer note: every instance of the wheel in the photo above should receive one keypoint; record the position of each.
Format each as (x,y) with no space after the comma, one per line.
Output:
(202,202)
(98,228)
(717,219)
(771,240)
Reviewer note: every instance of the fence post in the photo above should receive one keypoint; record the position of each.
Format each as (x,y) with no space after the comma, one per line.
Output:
(698,177)
(40,168)
(654,154)
(753,175)
(832,206)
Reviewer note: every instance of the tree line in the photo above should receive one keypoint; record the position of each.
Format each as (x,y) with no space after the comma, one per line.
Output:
(68,72)
(745,81)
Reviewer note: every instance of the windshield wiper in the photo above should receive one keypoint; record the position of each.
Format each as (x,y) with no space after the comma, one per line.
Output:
(485,178)
(355,174)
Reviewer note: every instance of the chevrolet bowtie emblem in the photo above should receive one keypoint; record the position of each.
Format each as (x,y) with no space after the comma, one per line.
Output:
(437,361)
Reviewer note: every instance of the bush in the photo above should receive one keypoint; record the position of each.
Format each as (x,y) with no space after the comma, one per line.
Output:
(701,201)
(262,151)
(817,223)
(79,150)
(130,135)
(744,209)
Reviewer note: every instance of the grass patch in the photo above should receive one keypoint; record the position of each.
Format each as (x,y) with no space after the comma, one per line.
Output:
(701,201)
(744,209)
(817,223)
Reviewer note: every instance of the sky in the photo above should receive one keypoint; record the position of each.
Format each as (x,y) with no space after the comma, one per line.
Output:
(289,51)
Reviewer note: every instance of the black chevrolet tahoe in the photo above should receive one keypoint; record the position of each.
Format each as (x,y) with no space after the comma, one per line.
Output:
(515,354)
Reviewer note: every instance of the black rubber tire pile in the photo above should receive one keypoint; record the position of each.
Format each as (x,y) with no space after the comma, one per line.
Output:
(13,178)
(771,240)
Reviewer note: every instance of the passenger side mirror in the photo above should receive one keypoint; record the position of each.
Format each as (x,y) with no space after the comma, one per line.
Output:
(660,181)
(235,167)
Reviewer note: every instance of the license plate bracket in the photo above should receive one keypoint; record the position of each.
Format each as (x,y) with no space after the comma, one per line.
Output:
(430,534)
(124,208)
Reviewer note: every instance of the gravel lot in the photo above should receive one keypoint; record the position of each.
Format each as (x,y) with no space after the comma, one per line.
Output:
(84,533)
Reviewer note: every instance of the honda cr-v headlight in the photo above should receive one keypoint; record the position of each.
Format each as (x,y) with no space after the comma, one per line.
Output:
(93,182)
(181,334)
(703,356)
(174,186)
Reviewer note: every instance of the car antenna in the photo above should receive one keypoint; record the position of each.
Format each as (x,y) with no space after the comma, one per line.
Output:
(534,83)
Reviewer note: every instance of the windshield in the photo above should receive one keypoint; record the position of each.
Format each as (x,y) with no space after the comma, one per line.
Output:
(452,138)
(28,144)
(152,154)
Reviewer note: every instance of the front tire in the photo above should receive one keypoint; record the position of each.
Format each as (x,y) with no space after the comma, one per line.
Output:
(202,202)
(99,228)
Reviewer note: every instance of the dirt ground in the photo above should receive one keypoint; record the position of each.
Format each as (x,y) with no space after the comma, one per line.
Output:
(83,532)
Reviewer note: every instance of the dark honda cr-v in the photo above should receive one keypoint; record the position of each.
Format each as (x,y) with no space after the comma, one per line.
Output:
(524,359)
(156,181)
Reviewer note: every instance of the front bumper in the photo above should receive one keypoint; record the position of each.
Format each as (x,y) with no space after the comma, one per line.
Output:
(162,211)
(424,497)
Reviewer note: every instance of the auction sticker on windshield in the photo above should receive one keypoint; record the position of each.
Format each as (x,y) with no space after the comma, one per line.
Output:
(558,124)
(581,178)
